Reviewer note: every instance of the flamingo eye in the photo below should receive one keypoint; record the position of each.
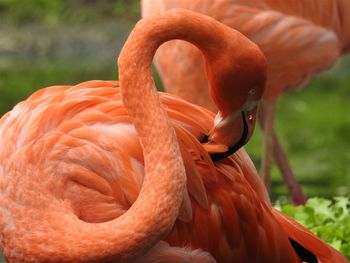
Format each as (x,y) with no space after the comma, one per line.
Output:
(250,117)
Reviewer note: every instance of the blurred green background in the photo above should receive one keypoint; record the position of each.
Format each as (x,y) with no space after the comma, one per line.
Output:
(45,43)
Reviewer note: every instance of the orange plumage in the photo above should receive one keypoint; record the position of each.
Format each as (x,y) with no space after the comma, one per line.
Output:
(299,39)
(95,173)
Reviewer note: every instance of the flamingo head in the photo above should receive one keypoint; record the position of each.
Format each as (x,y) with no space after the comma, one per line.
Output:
(237,82)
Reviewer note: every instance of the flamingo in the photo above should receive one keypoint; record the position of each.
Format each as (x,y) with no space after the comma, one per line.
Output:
(299,39)
(108,171)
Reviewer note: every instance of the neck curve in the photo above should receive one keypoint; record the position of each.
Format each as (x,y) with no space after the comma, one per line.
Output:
(154,212)
(234,64)
(151,122)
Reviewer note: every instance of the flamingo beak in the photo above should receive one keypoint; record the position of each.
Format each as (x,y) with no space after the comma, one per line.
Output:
(225,140)
(217,153)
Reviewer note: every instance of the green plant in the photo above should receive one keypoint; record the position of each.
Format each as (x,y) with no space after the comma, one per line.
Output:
(328,219)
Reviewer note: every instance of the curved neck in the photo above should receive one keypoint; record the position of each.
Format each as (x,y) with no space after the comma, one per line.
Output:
(235,66)
(208,35)
(149,33)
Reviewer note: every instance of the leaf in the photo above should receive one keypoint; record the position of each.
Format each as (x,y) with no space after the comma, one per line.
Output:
(328,219)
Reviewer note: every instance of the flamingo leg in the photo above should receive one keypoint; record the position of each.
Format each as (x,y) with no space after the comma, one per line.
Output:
(266,118)
(273,146)
(294,188)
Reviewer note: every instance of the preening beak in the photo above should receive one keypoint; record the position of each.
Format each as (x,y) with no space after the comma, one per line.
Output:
(242,127)
(233,148)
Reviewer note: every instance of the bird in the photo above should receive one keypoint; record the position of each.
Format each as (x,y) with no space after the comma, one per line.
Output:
(113,171)
(298,38)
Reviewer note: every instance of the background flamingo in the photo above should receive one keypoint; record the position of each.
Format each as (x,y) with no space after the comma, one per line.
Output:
(299,39)
(74,156)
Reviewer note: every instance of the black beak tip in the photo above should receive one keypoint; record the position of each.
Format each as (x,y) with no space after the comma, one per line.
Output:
(233,148)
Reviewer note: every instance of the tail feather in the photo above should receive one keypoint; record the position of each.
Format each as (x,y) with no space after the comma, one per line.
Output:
(296,232)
